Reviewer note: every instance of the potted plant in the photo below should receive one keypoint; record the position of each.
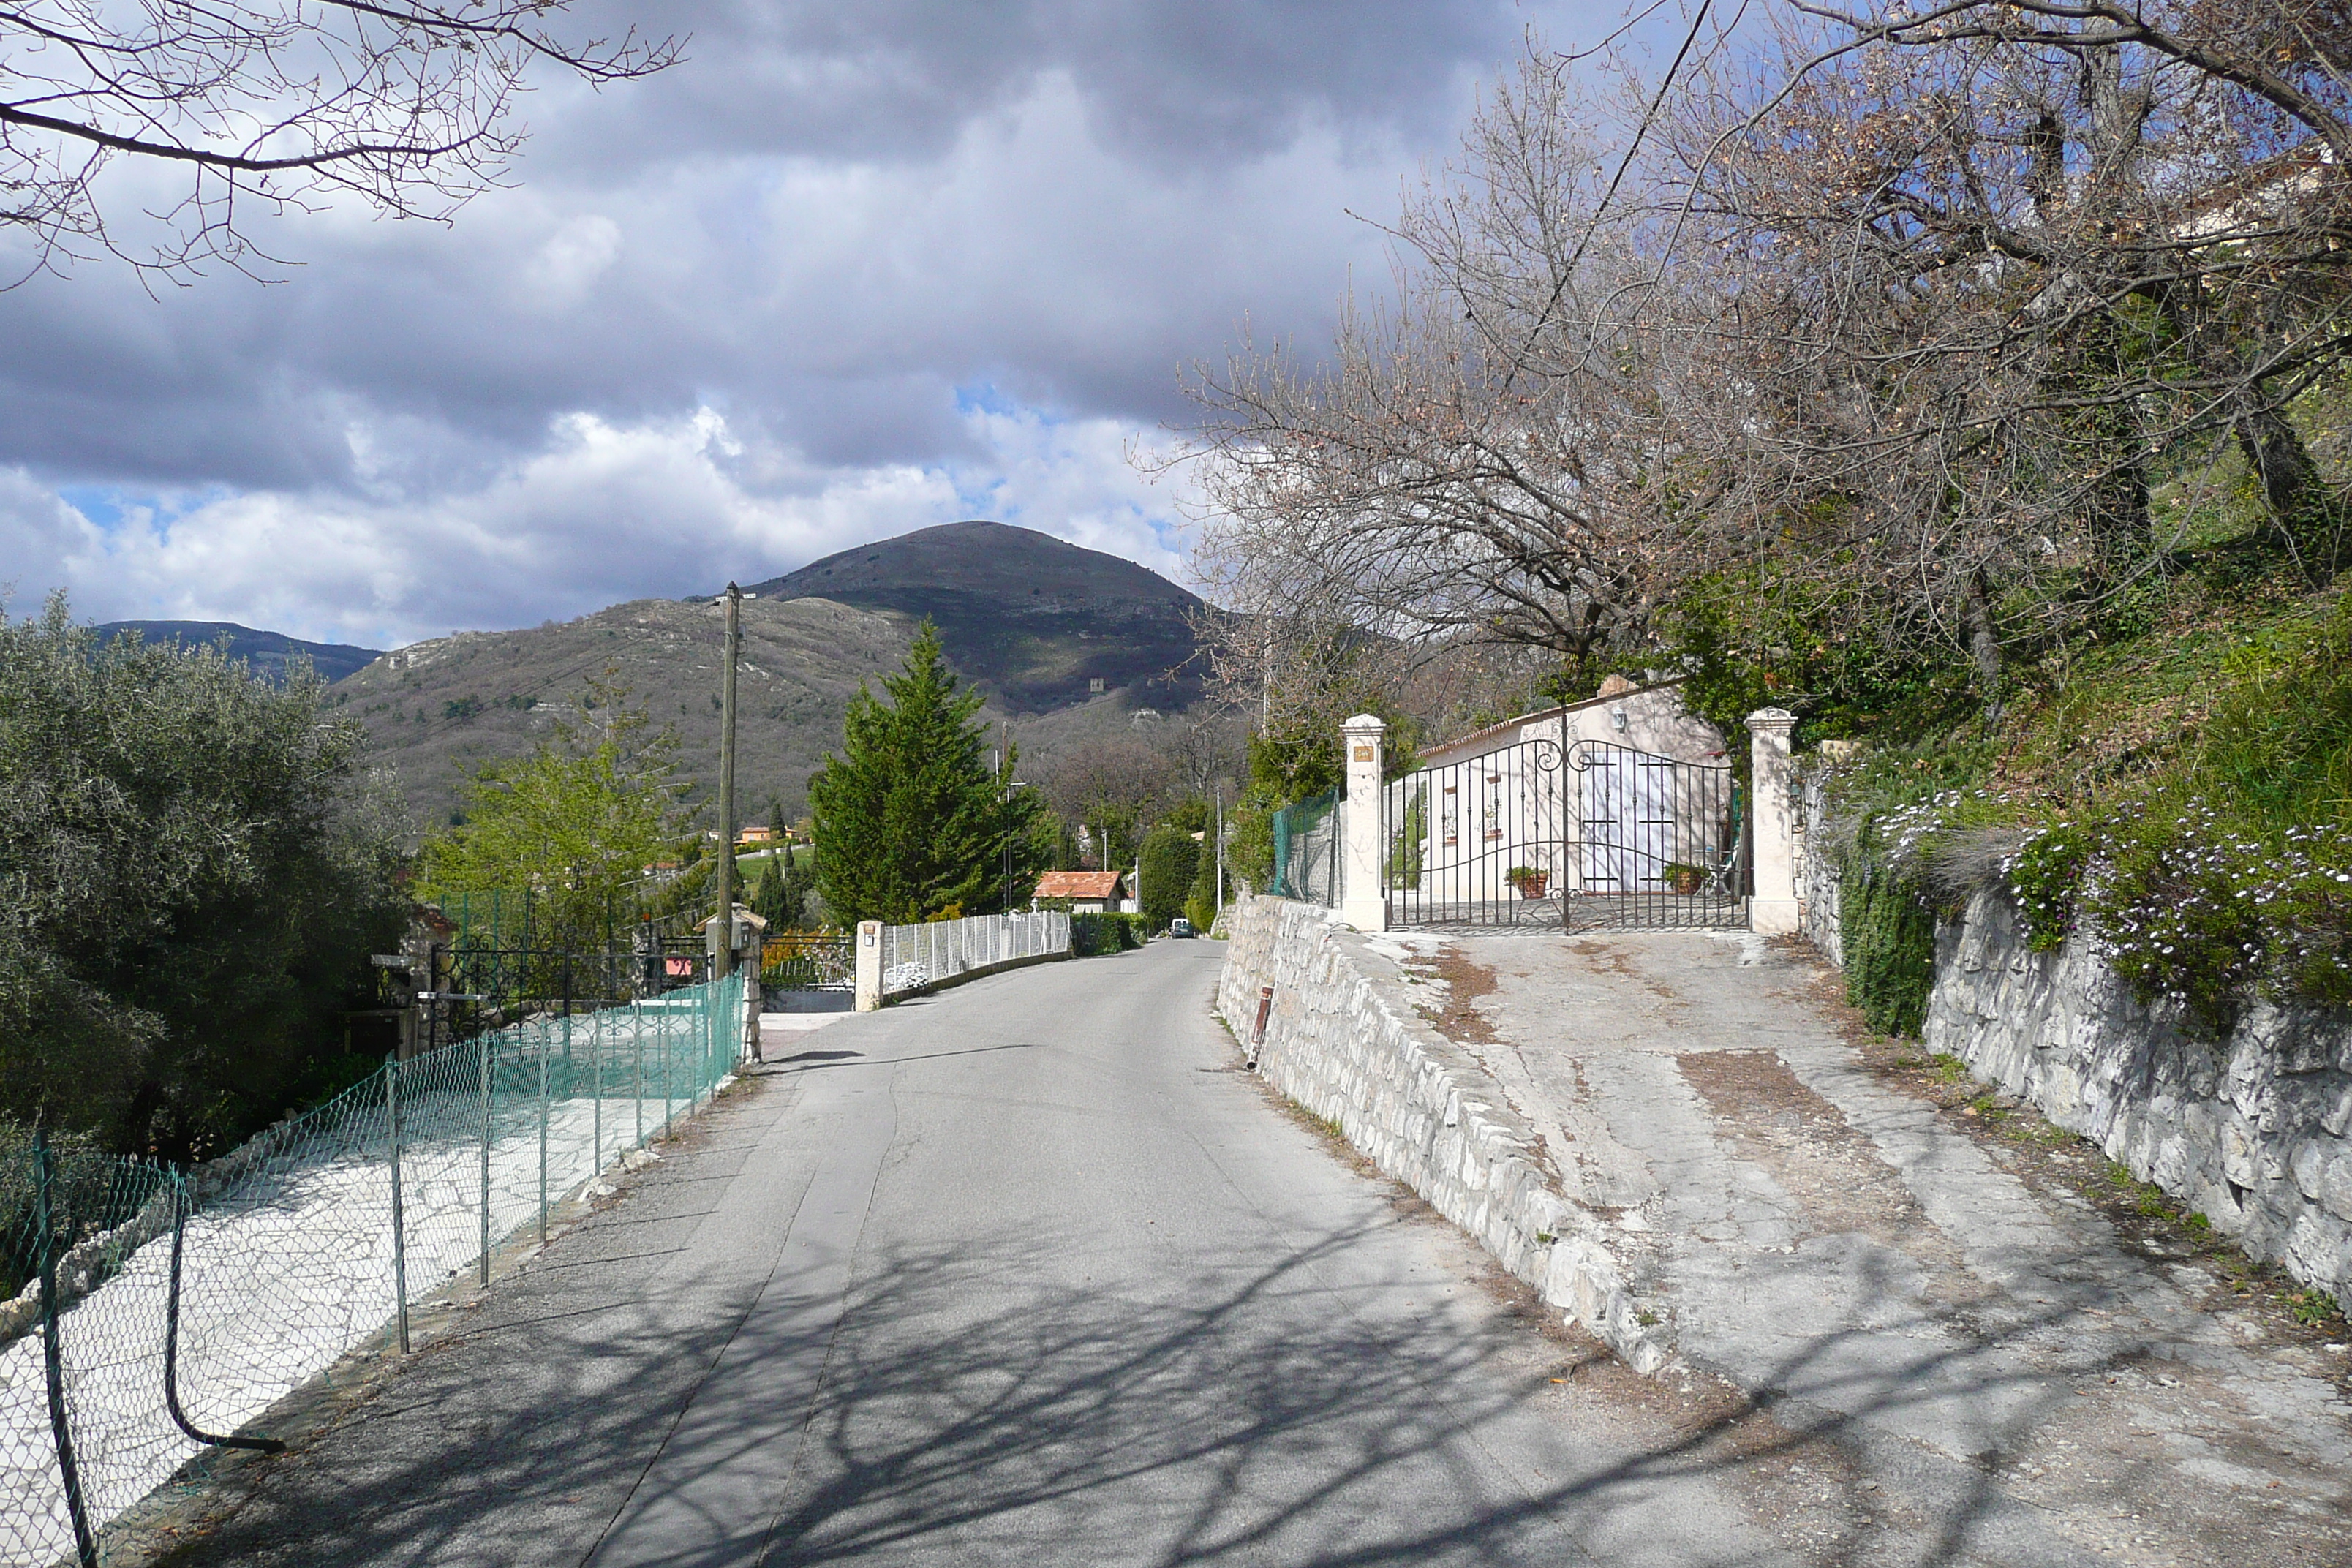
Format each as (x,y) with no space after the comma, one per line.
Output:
(1528,881)
(1685,878)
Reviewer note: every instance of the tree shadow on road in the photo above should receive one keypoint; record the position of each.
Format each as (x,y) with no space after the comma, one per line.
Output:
(986,1402)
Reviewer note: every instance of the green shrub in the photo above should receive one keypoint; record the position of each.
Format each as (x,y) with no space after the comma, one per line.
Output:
(1410,842)
(1091,934)
(2044,875)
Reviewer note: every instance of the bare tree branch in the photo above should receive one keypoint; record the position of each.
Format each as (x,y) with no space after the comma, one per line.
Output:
(285,102)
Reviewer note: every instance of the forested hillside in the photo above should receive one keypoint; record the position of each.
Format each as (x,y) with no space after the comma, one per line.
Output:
(1030,621)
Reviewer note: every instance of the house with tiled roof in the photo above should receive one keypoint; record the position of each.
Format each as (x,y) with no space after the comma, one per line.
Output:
(1088,892)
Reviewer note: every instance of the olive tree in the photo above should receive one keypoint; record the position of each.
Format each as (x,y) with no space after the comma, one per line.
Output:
(192,873)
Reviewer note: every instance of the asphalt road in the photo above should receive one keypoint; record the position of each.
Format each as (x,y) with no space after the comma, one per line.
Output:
(1022,1273)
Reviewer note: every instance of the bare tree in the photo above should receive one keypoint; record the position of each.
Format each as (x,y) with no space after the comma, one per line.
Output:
(1112,785)
(1203,748)
(405,104)
(1980,271)
(1901,320)
(1482,459)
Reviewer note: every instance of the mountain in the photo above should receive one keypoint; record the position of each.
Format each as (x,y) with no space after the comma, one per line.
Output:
(1029,620)
(435,711)
(1032,619)
(266,652)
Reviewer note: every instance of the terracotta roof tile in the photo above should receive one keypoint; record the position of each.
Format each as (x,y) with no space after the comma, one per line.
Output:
(1078,885)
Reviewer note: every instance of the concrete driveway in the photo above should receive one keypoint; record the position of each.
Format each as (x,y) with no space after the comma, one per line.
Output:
(1989,1365)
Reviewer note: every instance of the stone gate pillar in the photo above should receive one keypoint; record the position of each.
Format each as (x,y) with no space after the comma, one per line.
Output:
(1362,902)
(869,965)
(1773,812)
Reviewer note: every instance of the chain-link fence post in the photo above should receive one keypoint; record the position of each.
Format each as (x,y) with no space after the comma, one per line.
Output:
(596,1089)
(637,1069)
(179,1194)
(489,1119)
(52,1352)
(546,1048)
(399,1239)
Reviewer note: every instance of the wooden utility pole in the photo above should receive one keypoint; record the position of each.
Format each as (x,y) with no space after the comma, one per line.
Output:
(723,965)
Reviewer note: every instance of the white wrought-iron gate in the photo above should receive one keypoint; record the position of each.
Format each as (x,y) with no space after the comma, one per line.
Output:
(1582,835)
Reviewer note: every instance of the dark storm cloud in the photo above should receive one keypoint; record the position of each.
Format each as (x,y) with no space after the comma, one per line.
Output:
(1173,82)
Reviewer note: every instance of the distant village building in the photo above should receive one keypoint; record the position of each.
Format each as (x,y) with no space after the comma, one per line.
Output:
(750,836)
(1088,893)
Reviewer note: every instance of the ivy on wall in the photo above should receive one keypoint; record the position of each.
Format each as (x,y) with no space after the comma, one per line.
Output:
(1888,934)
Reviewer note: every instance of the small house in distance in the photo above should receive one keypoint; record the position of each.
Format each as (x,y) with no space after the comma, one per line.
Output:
(1088,892)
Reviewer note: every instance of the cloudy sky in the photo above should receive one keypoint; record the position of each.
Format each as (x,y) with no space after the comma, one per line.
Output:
(848,271)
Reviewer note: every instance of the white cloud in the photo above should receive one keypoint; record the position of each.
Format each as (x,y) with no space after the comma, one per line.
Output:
(39,535)
(604,512)
(565,268)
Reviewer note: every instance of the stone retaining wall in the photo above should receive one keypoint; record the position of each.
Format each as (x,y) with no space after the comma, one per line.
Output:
(1344,1040)
(2255,1132)
(1817,877)
(2250,1130)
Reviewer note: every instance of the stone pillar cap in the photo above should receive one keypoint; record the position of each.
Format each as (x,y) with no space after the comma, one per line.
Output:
(1363,721)
(1771,719)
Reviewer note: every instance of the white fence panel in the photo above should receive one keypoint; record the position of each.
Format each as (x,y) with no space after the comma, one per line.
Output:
(914,956)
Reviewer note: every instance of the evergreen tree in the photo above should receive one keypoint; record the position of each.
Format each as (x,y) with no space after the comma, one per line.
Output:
(778,898)
(1201,903)
(800,883)
(911,823)
(1170,858)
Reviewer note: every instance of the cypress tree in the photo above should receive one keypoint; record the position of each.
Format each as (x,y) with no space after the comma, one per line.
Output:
(1169,859)
(912,823)
(1201,902)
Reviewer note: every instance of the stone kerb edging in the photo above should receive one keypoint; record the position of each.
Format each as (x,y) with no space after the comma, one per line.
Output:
(1343,1040)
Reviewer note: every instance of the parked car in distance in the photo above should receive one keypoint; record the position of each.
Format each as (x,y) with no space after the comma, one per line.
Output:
(1180,926)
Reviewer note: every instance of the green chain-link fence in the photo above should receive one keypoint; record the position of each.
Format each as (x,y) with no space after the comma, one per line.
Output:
(1306,850)
(152,1310)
